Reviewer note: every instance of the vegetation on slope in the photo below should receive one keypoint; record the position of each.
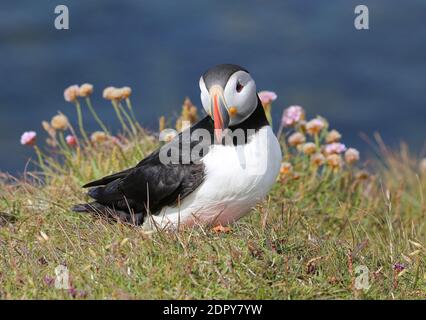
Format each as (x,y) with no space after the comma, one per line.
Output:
(324,223)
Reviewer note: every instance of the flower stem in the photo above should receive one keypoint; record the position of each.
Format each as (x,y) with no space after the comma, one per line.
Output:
(95,115)
(129,120)
(280,131)
(40,158)
(62,143)
(286,152)
(80,121)
(317,143)
(129,106)
(118,113)
(267,109)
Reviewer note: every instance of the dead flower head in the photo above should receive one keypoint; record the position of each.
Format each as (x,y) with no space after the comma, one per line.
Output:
(351,156)
(296,138)
(125,92)
(334,161)
(59,122)
(113,93)
(317,159)
(108,93)
(85,90)
(286,168)
(98,137)
(314,126)
(71,93)
(333,136)
(309,148)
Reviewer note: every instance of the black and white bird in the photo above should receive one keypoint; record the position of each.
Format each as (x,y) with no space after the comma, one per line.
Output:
(216,179)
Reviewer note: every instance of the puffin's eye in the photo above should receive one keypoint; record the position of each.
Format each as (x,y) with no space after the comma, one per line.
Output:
(239,87)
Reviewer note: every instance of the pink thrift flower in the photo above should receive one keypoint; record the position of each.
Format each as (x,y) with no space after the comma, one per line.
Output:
(28,138)
(335,147)
(292,115)
(71,140)
(266,97)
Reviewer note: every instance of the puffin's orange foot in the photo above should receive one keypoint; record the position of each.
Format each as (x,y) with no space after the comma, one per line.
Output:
(221,229)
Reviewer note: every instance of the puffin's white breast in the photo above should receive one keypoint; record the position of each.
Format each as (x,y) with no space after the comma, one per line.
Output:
(236,178)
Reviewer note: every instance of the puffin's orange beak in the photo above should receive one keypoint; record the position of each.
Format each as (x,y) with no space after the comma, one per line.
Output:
(219,113)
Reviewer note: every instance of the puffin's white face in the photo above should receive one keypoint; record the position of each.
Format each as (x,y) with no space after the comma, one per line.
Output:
(232,104)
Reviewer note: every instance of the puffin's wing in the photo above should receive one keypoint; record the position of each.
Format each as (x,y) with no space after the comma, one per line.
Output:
(151,184)
(158,185)
(151,180)
(205,123)
(105,180)
(122,174)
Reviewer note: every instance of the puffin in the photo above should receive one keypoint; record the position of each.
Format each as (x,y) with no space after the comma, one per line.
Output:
(212,173)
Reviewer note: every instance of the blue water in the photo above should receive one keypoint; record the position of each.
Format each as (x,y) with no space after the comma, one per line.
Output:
(307,51)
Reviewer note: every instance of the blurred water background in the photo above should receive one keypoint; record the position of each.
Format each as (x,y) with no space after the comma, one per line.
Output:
(307,51)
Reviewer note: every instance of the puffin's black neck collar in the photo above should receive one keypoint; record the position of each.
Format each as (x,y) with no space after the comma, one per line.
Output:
(251,125)
(256,120)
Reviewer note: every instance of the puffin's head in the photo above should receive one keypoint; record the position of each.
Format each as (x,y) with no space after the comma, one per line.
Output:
(228,94)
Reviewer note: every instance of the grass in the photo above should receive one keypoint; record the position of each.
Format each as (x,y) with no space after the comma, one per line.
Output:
(305,241)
